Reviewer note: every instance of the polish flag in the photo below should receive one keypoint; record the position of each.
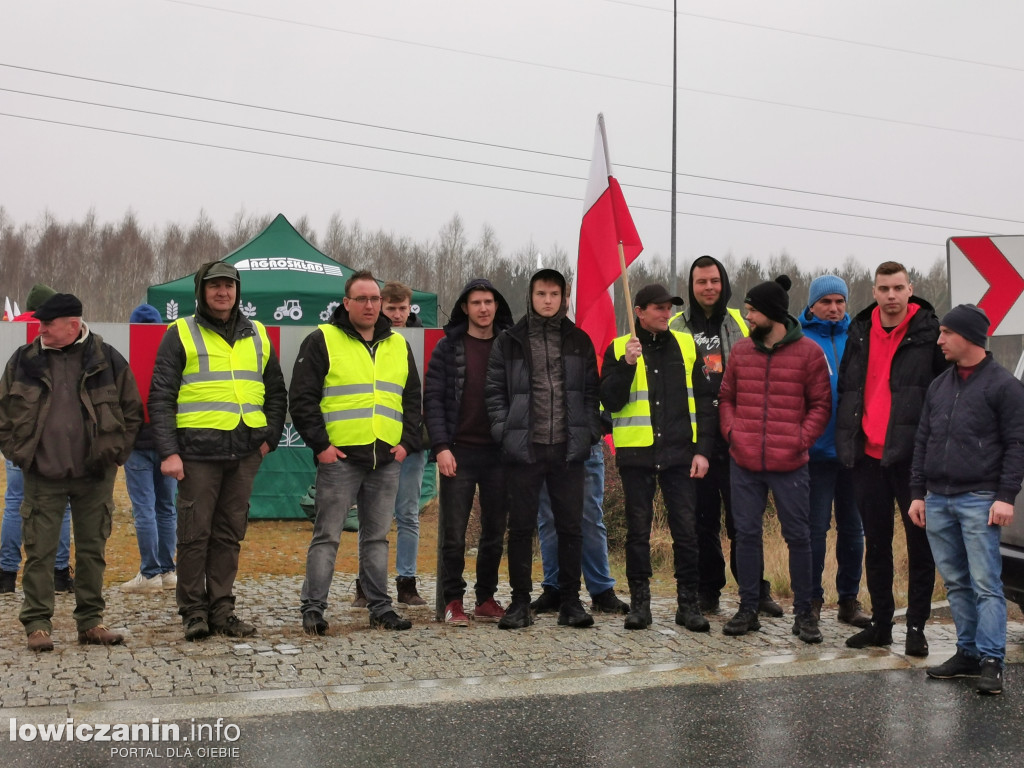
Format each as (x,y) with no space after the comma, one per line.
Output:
(606,223)
(8,312)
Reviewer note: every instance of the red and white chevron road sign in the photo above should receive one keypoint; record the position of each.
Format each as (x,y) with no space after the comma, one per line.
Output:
(987,271)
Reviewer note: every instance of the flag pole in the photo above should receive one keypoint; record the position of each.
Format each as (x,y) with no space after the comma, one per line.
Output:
(625,288)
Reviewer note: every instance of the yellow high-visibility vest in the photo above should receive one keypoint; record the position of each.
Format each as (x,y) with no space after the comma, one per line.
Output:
(631,427)
(362,395)
(221,384)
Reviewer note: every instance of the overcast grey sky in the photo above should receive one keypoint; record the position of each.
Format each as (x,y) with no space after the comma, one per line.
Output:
(912,103)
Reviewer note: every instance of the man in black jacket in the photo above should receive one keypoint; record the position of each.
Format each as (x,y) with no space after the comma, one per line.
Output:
(355,400)
(969,457)
(890,360)
(217,404)
(467,456)
(542,400)
(662,439)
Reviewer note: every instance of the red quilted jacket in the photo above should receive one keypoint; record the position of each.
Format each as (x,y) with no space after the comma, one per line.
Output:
(774,404)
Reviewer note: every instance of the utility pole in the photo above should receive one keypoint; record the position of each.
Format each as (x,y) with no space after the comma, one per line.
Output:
(672,249)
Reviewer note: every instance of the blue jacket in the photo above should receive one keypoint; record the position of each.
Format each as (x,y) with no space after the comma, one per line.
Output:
(830,335)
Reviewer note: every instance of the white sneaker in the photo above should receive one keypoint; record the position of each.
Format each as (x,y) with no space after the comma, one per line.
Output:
(170,580)
(141,584)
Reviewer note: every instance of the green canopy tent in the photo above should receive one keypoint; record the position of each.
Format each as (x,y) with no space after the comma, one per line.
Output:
(285,281)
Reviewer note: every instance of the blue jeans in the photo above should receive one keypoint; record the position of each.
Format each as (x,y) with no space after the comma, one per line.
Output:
(156,519)
(749,500)
(10,532)
(966,551)
(338,485)
(830,482)
(407,513)
(595,536)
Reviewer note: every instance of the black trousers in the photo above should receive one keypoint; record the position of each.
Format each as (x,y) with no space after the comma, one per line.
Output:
(475,467)
(877,487)
(565,487)
(639,485)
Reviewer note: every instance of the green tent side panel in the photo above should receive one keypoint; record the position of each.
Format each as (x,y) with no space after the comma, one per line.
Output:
(285,281)
(282,481)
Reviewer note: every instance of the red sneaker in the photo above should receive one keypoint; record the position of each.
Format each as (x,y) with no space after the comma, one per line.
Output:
(454,615)
(489,610)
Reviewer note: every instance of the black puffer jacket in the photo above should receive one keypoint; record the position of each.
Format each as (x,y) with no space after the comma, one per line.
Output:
(916,363)
(508,392)
(971,436)
(445,378)
(211,444)
(670,412)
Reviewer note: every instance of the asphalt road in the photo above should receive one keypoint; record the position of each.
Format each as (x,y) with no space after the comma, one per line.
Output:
(892,718)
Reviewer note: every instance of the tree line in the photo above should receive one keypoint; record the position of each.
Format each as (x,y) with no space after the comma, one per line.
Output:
(109,265)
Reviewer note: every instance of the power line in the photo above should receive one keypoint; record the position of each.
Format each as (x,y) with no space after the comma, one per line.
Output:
(636,81)
(829,38)
(479,163)
(448,181)
(491,145)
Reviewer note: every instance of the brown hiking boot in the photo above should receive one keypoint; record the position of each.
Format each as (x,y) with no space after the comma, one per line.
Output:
(100,635)
(851,612)
(359,601)
(40,641)
(407,594)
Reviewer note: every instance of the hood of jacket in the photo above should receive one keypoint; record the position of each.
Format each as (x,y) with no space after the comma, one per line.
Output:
(718,311)
(458,321)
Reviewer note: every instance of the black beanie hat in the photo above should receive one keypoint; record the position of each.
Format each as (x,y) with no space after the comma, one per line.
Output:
(771,299)
(969,321)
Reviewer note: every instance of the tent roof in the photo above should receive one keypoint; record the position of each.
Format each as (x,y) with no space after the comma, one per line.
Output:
(280,265)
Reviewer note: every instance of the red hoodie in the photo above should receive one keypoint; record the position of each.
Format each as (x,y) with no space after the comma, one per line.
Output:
(877,393)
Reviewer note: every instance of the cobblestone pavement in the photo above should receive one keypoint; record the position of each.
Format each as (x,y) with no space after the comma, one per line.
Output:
(158,666)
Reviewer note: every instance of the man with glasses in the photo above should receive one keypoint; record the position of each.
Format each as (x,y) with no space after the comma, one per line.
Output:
(355,400)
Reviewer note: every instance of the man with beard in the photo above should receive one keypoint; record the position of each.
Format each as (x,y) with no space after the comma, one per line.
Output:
(775,402)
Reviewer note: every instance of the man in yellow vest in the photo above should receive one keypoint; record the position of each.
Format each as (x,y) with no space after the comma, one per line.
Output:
(355,400)
(217,404)
(716,328)
(663,431)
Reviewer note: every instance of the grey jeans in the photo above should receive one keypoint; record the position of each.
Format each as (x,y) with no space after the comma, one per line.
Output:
(338,485)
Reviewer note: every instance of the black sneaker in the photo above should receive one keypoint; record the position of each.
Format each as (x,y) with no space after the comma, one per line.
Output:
(548,602)
(314,623)
(389,620)
(234,627)
(958,665)
(196,628)
(7,580)
(744,621)
(916,645)
(572,614)
(876,635)
(63,581)
(991,680)
(608,602)
(517,616)
(806,627)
